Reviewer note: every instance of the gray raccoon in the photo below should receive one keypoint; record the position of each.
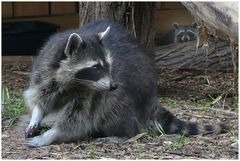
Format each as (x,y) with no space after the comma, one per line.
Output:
(105,83)
(184,33)
(179,33)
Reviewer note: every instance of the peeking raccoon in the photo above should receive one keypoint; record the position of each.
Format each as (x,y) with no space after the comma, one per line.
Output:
(184,33)
(105,83)
(179,34)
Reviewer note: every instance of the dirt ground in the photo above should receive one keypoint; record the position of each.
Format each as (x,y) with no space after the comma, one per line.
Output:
(189,88)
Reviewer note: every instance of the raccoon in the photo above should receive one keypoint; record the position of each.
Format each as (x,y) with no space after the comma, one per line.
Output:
(179,34)
(104,81)
(185,33)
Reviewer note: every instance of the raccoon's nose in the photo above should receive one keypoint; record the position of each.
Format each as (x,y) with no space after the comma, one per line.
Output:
(113,86)
(186,38)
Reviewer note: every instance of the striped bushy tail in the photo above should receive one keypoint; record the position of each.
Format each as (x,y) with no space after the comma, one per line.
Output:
(167,123)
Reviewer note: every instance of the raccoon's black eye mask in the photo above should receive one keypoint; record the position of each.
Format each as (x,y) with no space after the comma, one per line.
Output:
(93,73)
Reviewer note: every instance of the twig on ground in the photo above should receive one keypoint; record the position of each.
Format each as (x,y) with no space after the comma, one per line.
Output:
(135,138)
(185,154)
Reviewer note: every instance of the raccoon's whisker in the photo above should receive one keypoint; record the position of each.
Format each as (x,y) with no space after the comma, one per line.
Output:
(82,81)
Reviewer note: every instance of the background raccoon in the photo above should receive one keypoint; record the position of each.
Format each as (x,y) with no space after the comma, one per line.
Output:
(102,78)
(179,33)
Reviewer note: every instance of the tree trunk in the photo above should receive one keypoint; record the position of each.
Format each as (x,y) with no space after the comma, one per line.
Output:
(222,16)
(90,11)
(185,56)
(142,20)
(136,16)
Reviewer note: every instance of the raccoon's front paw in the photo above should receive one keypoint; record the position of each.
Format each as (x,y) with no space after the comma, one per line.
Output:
(47,138)
(34,142)
(31,130)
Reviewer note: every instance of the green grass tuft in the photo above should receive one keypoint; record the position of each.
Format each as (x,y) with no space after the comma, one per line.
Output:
(171,102)
(13,105)
(91,148)
(179,142)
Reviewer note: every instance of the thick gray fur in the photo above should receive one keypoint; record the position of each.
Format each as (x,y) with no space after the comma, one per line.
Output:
(59,81)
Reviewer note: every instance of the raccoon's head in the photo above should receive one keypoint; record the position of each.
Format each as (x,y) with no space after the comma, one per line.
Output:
(185,33)
(87,64)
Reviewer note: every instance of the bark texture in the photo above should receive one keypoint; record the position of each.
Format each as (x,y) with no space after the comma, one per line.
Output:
(136,16)
(222,16)
(90,11)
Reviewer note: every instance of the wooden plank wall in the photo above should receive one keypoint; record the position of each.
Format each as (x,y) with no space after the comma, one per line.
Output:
(64,14)
(7,9)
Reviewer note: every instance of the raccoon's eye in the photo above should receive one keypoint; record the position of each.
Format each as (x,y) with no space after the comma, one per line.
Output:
(96,67)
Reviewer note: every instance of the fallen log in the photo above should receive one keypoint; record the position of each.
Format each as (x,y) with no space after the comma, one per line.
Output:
(220,18)
(188,56)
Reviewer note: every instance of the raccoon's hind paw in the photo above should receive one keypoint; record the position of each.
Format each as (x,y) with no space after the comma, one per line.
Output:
(31,130)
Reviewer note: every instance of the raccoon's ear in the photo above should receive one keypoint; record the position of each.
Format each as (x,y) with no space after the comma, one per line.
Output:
(194,24)
(175,25)
(74,42)
(103,34)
